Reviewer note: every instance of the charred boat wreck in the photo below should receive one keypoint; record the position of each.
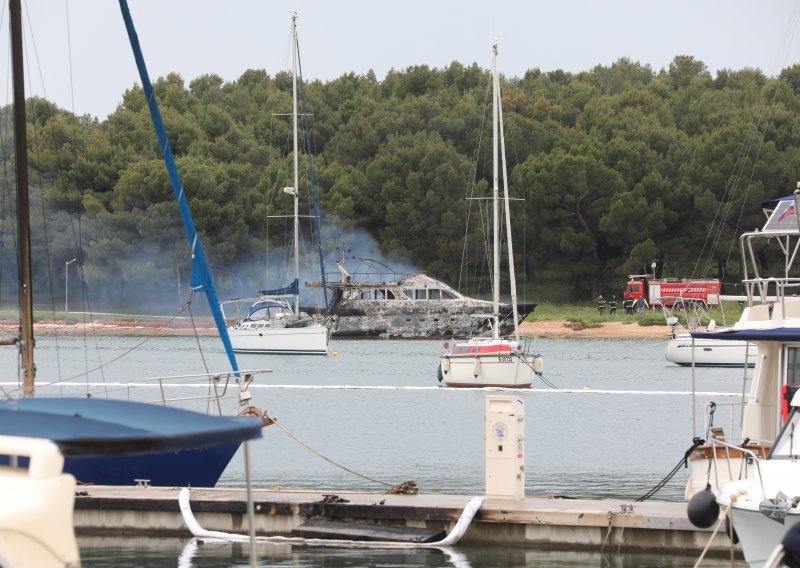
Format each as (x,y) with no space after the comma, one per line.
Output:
(408,306)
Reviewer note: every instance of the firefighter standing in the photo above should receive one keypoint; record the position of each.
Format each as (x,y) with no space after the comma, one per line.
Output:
(601,304)
(612,306)
(627,303)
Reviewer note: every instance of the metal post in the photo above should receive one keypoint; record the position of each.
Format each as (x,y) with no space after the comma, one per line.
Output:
(26,341)
(66,287)
(251,516)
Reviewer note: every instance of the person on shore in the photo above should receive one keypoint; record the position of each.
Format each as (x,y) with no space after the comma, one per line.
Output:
(640,306)
(612,305)
(601,305)
(627,303)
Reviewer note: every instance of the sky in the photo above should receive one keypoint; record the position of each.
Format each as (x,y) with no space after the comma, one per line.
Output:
(79,55)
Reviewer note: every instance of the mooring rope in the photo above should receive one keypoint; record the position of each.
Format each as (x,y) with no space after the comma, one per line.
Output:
(684,461)
(406,487)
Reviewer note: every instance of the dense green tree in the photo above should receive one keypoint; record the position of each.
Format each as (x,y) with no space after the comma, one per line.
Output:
(619,166)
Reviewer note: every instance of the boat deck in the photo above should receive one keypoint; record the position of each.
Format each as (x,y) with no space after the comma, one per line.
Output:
(655,526)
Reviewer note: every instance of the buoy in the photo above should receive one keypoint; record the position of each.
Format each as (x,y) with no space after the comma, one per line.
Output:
(538,364)
(586,387)
(334,353)
(476,368)
(703,510)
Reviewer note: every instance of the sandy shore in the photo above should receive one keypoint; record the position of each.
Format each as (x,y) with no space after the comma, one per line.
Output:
(559,329)
(552,329)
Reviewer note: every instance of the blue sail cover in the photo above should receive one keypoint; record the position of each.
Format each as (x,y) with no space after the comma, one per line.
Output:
(290,290)
(778,334)
(100,427)
(201,275)
(771,203)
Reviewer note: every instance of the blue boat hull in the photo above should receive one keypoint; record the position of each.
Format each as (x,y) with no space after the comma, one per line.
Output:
(116,442)
(196,468)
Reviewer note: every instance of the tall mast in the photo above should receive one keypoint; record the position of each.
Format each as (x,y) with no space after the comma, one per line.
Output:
(512,277)
(495,191)
(296,186)
(201,280)
(26,340)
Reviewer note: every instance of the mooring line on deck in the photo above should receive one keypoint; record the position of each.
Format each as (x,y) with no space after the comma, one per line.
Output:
(390,388)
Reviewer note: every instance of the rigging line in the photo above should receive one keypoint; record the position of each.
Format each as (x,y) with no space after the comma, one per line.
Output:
(86,304)
(736,177)
(35,53)
(471,186)
(312,180)
(5,117)
(77,241)
(769,87)
(717,223)
(209,392)
(156,333)
(39,184)
(69,58)
(767,94)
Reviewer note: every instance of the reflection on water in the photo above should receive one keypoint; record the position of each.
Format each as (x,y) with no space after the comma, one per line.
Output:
(184,553)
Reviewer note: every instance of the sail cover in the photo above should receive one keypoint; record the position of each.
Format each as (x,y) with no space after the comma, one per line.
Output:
(96,427)
(777,334)
(290,290)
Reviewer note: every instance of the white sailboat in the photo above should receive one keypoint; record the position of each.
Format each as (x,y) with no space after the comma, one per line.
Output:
(274,324)
(493,361)
(685,316)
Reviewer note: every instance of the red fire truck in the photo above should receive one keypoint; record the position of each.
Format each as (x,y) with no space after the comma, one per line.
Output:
(668,291)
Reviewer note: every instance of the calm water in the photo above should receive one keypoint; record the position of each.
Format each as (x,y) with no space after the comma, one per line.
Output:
(581,444)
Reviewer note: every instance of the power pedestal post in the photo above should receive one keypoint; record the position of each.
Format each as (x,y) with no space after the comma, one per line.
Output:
(505,447)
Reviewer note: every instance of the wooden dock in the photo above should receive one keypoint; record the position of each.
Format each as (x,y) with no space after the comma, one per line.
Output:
(652,526)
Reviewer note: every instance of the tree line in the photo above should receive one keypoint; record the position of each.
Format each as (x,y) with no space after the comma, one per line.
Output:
(615,168)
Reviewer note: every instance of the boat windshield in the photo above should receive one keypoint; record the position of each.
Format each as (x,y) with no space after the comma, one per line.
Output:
(787,446)
(268,310)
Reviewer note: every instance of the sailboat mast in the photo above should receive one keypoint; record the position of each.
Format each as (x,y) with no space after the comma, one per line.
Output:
(495,207)
(512,277)
(296,177)
(26,340)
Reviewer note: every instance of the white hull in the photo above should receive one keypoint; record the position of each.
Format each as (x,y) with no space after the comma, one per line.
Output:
(775,483)
(501,371)
(252,337)
(709,352)
(718,466)
(487,363)
(758,534)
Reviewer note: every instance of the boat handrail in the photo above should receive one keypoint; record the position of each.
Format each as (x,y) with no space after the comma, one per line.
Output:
(746,451)
(387,278)
(210,375)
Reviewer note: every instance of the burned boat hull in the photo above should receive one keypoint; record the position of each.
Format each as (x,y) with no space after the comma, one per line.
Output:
(410,306)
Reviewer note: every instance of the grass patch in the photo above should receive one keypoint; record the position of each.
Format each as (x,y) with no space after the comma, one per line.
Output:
(577,325)
(587,314)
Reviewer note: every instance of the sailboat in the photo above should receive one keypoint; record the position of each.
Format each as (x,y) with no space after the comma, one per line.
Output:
(273,324)
(177,453)
(493,361)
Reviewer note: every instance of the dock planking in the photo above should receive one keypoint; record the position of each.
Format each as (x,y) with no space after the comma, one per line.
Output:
(657,526)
